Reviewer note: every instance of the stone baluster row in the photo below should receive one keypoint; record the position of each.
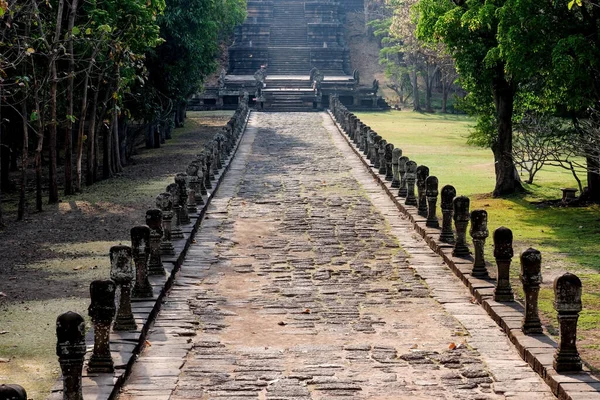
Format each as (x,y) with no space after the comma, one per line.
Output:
(134,264)
(405,175)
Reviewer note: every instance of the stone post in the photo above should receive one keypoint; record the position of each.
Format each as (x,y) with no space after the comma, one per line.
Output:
(102,311)
(389,149)
(403,190)
(176,231)
(207,174)
(567,302)
(154,220)
(411,177)
(121,271)
(381,153)
(367,141)
(461,216)
(503,253)
(181,181)
(375,151)
(479,233)
(70,349)
(396,154)
(447,206)
(216,153)
(211,165)
(140,250)
(531,277)
(12,392)
(361,137)
(194,183)
(201,158)
(165,204)
(422,174)
(431,192)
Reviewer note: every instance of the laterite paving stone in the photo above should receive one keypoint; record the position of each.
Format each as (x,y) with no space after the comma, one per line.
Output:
(305,282)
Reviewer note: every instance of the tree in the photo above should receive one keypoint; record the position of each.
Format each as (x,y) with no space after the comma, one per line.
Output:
(406,57)
(469,31)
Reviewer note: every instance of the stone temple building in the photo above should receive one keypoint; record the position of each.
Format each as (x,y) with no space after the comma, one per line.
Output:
(291,55)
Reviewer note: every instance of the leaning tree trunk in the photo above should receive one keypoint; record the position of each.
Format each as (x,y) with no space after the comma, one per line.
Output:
(506,178)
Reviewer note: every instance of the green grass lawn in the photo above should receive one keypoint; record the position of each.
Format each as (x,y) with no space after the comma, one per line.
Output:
(567,237)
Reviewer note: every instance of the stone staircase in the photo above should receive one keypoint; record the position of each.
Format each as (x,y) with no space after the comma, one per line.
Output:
(288,51)
(284,93)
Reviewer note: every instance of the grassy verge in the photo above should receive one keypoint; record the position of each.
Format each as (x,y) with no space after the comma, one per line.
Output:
(567,237)
(72,239)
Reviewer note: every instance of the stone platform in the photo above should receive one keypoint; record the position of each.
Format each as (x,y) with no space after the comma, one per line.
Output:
(289,39)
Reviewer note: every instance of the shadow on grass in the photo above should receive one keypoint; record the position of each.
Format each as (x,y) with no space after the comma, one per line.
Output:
(573,231)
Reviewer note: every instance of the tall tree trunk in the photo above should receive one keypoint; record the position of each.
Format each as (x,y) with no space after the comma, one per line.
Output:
(106,133)
(22,207)
(117,167)
(415,88)
(71,100)
(445,90)
(107,170)
(506,177)
(38,155)
(93,135)
(1,213)
(53,184)
(81,130)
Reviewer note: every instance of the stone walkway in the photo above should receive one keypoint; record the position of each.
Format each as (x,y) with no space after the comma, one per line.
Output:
(306,283)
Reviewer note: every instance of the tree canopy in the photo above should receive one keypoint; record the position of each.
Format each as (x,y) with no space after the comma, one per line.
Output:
(77,71)
(515,56)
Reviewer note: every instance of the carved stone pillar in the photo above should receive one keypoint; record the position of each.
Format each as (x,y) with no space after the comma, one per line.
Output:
(176,231)
(70,349)
(209,174)
(503,253)
(12,392)
(154,220)
(181,181)
(431,193)
(140,250)
(396,154)
(201,158)
(194,183)
(531,277)
(121,272)
(102,312)
(447,206)
(411,177)
(381,153)
(165,203)
(403,190)
(375,151)
(422,174)
(389,149)
(479,233)
(461,221)
(361,136)
(367,141)
(567,302)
